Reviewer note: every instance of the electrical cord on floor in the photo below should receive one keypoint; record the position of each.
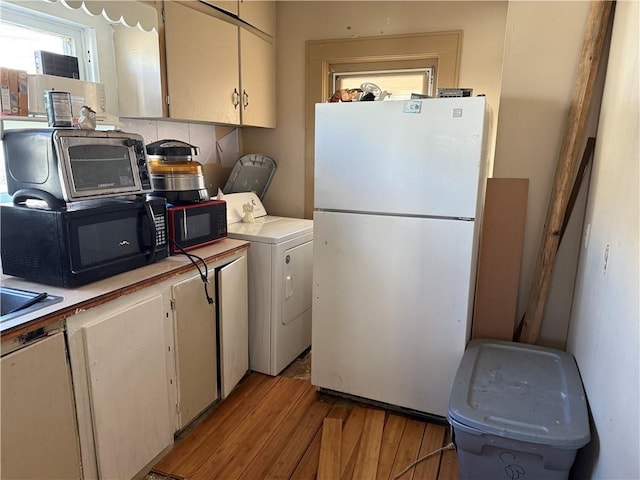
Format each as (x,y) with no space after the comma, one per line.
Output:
(204,276)
(449,446)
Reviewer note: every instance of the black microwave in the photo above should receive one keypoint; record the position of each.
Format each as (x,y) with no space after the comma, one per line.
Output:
(197,224)
(83,242)
(74,165)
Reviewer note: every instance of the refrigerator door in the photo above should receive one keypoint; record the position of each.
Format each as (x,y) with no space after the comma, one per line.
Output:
(391,306)
(421,157)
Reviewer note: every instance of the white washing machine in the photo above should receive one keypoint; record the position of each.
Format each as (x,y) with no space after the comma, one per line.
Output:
(280,260)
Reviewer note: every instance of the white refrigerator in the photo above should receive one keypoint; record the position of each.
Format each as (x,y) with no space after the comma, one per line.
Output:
(399,187)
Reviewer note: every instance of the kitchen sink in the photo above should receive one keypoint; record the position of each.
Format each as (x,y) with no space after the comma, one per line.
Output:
(15,302)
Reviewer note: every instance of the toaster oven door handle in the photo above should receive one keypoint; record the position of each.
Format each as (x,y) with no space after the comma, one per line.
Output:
(24,194)
(152,230)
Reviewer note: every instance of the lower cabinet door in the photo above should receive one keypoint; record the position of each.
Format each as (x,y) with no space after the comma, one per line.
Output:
(39,433)
(234,323)
(129,395)
(196,351)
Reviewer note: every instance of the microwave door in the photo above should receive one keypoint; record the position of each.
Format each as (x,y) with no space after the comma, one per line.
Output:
(127,233)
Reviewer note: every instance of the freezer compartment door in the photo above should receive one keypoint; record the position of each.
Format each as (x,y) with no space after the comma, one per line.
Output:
(391,306)
(385,157)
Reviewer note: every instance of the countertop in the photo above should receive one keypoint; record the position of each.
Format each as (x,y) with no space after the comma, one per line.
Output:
(81,298)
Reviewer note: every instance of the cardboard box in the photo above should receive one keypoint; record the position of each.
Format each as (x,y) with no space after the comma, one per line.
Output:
(13,87)
(14,96)
(23,93)
(5,92)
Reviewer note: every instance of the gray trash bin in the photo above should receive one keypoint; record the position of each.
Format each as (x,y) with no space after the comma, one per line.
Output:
(518,411)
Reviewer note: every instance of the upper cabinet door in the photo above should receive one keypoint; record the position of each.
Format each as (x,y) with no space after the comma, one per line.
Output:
(230,6)
(259,14)
(202,66)
(258,72)
(138,67)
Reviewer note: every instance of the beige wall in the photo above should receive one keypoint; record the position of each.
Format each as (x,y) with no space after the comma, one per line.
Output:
(543,44)
(483,24)
(605,335)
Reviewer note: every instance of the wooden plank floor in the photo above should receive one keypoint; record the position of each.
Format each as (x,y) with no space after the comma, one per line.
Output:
(272,428)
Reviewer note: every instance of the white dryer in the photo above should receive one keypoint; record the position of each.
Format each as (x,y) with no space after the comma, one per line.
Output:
(280,261)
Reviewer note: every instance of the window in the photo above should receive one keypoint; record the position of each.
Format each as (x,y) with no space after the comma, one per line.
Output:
(24,31)
(399,84)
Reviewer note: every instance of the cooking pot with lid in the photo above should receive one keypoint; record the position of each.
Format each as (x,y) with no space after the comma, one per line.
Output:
(174,174)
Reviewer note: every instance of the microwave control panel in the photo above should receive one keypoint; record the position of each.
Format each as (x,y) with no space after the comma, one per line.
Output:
(159,211)
(161,229)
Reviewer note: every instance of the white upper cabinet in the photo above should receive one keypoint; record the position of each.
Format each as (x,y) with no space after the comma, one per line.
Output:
(137,62)
(260,14)
(230,6)
(202,66)
(218,71)
(258,80)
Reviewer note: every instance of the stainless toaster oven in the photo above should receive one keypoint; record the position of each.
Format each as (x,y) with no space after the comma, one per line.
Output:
(73,165)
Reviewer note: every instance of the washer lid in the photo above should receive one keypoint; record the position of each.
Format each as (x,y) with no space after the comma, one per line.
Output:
(270,229)
(251,173)
(522,392)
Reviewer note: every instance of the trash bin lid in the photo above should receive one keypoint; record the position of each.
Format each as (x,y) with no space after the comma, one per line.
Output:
(522,392)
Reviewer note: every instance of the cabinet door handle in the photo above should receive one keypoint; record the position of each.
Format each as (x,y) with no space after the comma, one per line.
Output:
(245,99)
(235,98)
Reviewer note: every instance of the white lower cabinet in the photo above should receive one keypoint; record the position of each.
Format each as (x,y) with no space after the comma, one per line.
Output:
(145,365)
(234,323)
(211,340)
(121,369)
(196,349)
(39,432)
